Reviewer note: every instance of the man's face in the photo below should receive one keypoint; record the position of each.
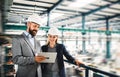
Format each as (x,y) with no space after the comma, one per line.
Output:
(33,28)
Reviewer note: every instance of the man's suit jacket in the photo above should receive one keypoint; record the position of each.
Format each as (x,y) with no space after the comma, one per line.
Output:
(23,56)
(61,50)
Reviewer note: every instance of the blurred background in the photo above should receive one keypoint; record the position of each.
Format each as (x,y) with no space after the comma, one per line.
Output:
(90,30)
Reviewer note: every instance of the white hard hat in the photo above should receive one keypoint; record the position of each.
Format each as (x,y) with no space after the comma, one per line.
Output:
(53,31)
(35,18)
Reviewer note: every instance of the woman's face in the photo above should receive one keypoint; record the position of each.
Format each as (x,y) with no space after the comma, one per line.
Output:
(52,38)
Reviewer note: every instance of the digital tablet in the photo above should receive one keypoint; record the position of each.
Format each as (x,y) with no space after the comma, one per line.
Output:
(50,57)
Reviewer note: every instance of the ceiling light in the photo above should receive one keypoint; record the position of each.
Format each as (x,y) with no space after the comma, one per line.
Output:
(52,16)
(55,15)
(81,3)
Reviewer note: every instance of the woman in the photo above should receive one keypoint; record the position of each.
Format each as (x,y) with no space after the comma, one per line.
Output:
(55,69)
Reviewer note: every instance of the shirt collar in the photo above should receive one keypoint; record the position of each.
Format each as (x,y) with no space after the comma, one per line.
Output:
(53,47)
(28,34)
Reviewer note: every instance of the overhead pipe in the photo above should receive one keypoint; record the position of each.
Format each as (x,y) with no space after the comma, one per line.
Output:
(23,27)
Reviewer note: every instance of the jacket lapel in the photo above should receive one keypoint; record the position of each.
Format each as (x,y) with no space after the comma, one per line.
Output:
(27,41)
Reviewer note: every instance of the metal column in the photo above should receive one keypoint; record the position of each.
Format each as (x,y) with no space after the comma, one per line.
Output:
(83,34)
(62,36)
(108,41)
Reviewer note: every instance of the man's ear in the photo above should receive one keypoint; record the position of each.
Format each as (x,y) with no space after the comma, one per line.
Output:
(28,24)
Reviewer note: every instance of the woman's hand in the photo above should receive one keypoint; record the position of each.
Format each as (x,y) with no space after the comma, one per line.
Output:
(78,62)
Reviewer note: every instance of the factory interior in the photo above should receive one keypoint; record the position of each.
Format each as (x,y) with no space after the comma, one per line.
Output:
(89,29)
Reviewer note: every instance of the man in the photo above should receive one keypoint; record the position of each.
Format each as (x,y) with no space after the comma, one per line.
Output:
(24,48)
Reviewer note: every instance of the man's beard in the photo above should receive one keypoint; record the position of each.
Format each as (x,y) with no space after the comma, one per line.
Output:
(33,32)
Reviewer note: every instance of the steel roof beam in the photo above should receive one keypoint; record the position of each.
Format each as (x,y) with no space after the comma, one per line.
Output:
(109,12)
(92,11)
(117,15)
(99,15)
(114,8)
(28,5)
(101,7)
(109,17)
(45,2)
(54,6)
(110,1)
(24,8)
(73,11)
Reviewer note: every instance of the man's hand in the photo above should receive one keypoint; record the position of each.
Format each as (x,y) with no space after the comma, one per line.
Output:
(38,59)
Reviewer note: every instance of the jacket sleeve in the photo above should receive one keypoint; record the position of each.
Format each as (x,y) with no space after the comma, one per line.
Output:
(18,57)
(67,55)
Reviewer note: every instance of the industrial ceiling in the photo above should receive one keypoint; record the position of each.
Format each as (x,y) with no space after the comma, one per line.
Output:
(65,13)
